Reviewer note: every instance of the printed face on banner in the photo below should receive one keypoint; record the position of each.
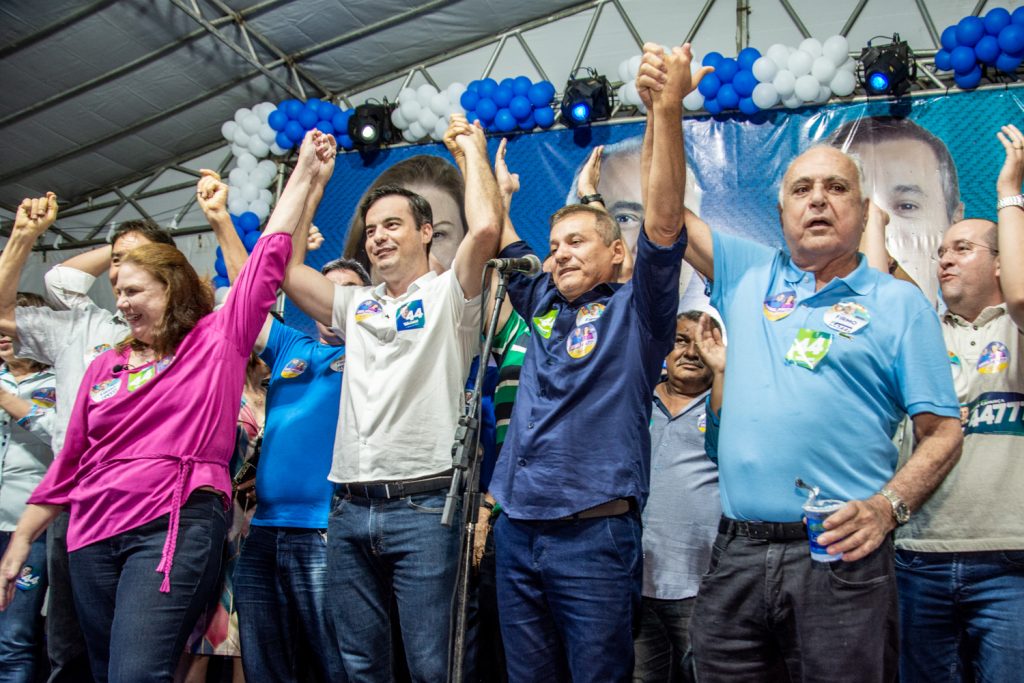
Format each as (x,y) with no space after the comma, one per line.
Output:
(448,226)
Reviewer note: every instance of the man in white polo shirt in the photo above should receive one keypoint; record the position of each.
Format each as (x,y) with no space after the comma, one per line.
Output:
(409,342)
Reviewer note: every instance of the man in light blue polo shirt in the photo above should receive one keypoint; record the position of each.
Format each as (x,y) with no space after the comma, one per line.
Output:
(825,356)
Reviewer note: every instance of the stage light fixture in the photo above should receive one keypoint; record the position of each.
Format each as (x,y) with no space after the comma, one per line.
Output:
(586,100)
(370,126)
(887,69)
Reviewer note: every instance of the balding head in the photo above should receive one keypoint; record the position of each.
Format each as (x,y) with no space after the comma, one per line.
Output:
(969,267)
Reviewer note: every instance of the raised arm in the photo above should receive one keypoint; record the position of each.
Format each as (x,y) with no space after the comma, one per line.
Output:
(484,212)
(212,196)
(32,219)
(711,348)
(1011,224)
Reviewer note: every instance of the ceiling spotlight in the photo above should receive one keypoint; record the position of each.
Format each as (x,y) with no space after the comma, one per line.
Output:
(586,100)
(887,69)
(370,126)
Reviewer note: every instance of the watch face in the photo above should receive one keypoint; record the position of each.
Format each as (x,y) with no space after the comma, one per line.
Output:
(902,513)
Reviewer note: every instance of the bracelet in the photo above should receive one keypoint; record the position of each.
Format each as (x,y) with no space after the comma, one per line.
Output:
(590,198)
(487,504)
(1015,200)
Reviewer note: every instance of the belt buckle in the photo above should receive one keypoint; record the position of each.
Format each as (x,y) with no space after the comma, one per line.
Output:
(758,532)
(387,491)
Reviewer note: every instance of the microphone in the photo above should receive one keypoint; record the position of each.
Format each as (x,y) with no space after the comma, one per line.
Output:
(119,368)
(527,265)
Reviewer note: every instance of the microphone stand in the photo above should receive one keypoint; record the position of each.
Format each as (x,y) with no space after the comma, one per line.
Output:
(466,464)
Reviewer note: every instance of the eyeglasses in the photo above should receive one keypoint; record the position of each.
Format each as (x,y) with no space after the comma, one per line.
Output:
(965,247)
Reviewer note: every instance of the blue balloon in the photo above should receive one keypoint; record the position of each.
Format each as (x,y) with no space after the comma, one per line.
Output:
(996,20)
(486,109)
(712,59)
(1018,16)
(987,50)
(325,127)
(292,108)
(1011,39)
(969,31)
(345,141)
(218,253)
(709,86)
(249,221)
(220,267)
(943,61)
(520,107)
(487,88)
(469,100)
(541,94)
(313,104)
(747,57)
(727,70)
(521,85)
(503,95)
(340,121)
(948,38)
(748,107)
(528,123)
(277,120)
(744,82)
(968,80)
(712,106)
(505,121)
(283,141)
(506,82)
(295,131)
(1008,63)
(249,242)
(221,281)
(545,117)
(962,59)
(727,96)
(308,118)
(472,117)
(473,86)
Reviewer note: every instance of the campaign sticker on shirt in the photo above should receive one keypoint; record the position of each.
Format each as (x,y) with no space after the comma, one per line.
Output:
(294,368)
(164,363)
(702,423)
(137,379)
(544,323)
(847,317)
(581,341)
(809,348)
(45,397)
(28,579)
(995,412)
(368,309)
(411,316)
(104,390)
(994,359)
(777,306)
(91,354)
(954,359)
(588,313)
(338,365)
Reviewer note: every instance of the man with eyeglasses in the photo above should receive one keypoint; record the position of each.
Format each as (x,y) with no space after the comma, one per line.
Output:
(960,559)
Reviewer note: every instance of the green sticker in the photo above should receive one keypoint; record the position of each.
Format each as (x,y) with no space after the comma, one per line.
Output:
(809,348)
(545,322)
(137,379)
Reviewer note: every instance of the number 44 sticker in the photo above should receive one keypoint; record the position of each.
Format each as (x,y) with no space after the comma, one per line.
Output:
(809,348)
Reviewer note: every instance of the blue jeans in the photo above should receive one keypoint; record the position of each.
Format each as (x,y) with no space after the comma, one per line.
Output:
(568,596)
(961,615)
(376,548)
(133,632)
(281,595)
(663,640)
(21,625)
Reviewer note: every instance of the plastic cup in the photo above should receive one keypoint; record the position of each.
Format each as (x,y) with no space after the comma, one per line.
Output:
(816,512)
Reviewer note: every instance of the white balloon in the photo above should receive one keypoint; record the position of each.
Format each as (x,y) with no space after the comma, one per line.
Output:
(694,101)
(784,82)
(266,168)
(410,110)
(823,69)
(836,48)
(424,93)
(267,134)
(417,131)
(630,94)
(241,137)
(807,88)
(277,150)
(427,119)
(455,91)
(765,96)
(792,102)
(765,69)
(779,54)
(849,65)
(251,124)
(634,66)
(811,46)
(238,150)
(624,71)
(800,63)
(439,104)
(250,192)
(824,93)
(260,208)
(247,162)
(399,120)
(239,176)
(440,128)
(228,130)
(265,109)
(408,135)
(406,94)
(257,147)
(266,196)
(236,205)
(240,114)
(843,83)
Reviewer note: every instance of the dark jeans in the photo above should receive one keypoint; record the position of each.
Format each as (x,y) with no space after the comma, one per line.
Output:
(961,616)
(280,587)
(380,548)
(662,641)
(767,612)
(65,644)
(134,633)
(568,593)
(21,625)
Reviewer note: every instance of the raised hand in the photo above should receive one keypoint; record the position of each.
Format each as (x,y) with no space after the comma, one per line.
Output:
(1011,175)
(212,194)
(35,215)
(316,155)
(315,239)
(471,140)
(681,79)
(457,125)
(652,74)
(710,345)
(590,174)
(508,182)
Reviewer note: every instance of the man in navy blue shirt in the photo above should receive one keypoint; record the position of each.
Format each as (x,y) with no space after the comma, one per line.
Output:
(573,473)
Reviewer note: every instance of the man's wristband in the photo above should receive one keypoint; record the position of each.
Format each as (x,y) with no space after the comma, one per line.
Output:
(1014,200)
(591,198)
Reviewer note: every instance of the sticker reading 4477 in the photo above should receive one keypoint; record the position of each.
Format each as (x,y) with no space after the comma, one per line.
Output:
(996,412)
(411,316)
(809,348)
(544,323)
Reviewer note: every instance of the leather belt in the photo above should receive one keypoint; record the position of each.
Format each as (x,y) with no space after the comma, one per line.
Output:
(388,490)
(764,531)
(612,508)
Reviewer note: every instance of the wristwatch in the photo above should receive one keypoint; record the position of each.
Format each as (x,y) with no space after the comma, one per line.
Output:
(1013,200)
(900,511)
